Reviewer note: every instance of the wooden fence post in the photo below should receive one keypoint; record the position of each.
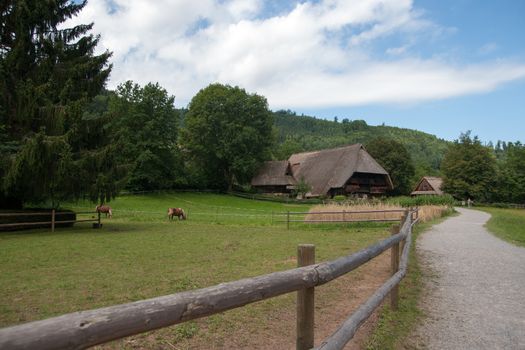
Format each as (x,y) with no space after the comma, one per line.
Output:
(344,216)
(305,302)
(394,262)
(288,220)
(53,220)
(99,220)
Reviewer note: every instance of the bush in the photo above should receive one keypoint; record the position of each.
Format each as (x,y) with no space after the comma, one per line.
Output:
(417,201)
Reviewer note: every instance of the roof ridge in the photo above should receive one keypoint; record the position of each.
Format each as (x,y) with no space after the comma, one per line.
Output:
(327,149)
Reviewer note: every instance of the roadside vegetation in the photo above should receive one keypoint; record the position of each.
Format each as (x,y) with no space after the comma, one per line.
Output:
(508,224)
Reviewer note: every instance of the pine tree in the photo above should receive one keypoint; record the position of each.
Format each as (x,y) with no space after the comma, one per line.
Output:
(53,147)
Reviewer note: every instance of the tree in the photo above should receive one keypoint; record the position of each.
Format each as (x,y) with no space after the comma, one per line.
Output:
(227,133)
(396,160)
(48,76)
(469,169)
(290,146)
(510,183)
(302,188)
(146,125)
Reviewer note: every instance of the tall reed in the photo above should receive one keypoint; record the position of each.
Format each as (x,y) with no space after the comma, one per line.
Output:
(364,212)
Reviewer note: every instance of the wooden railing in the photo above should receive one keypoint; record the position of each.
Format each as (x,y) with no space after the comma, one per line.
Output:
(51,223)
(83,329)
(342,216)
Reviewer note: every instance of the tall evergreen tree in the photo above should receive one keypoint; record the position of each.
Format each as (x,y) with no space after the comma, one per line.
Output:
(52,148)
(469,169)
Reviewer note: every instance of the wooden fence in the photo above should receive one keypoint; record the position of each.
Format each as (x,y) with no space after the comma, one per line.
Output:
(83,329)
(345,216)
(51,223)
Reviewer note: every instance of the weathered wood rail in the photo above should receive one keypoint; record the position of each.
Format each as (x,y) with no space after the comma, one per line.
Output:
(83,329)
(51,223)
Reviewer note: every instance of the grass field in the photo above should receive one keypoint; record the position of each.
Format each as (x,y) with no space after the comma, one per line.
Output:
(200,207)
(508,224)
(140,254)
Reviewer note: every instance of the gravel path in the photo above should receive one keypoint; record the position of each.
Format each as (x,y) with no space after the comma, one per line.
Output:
(476,292)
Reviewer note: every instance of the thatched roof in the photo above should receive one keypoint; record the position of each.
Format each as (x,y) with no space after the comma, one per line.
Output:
(435,184)
(322,170)
(273,173)
(332,168)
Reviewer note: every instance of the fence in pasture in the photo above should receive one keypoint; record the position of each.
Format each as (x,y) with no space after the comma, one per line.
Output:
(344,216)
(87,328)
(52,223)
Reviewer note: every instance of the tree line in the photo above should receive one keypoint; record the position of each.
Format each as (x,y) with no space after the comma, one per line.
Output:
(483,172)
(64,137)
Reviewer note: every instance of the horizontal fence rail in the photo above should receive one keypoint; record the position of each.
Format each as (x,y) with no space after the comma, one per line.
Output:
(401,211)
(349,220)
(83,329)
(51,223)
(35,213)
(345,216)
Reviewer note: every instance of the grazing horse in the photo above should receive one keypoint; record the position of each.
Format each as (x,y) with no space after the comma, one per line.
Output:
(104,209)
(178,212)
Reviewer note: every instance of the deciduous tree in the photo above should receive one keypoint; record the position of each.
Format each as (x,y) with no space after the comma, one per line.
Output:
(469,169)
(146,125)
(227,133)
(396,160)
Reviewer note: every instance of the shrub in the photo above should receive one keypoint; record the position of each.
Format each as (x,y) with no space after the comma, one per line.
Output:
(418,201)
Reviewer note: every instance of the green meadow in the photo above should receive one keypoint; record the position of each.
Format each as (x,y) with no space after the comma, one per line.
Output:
(507,224)
(140,254)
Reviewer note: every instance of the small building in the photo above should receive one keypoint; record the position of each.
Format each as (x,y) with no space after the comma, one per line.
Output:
(428,185)
(344,170)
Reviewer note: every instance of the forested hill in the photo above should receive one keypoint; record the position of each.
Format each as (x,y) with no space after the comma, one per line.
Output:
(304,133)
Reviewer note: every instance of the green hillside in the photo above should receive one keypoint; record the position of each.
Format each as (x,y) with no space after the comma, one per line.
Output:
(304,133)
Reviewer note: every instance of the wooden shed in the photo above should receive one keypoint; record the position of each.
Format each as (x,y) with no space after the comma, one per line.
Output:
(428,185)
(343,170)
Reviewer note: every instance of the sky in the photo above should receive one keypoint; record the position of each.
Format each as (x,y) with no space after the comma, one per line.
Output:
(441,66)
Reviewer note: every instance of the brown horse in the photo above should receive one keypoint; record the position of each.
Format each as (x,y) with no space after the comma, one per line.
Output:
(104,209)
(178,212)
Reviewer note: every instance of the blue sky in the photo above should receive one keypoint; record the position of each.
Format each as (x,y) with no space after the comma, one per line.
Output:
(443,67)
(480,30)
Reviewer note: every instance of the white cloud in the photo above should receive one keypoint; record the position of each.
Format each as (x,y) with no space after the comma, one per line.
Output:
(317,54)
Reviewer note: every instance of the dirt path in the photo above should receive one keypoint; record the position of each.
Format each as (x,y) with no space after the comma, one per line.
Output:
(476,289)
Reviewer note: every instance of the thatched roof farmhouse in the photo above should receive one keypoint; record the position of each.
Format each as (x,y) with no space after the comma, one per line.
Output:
(428,185)
(343,170)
